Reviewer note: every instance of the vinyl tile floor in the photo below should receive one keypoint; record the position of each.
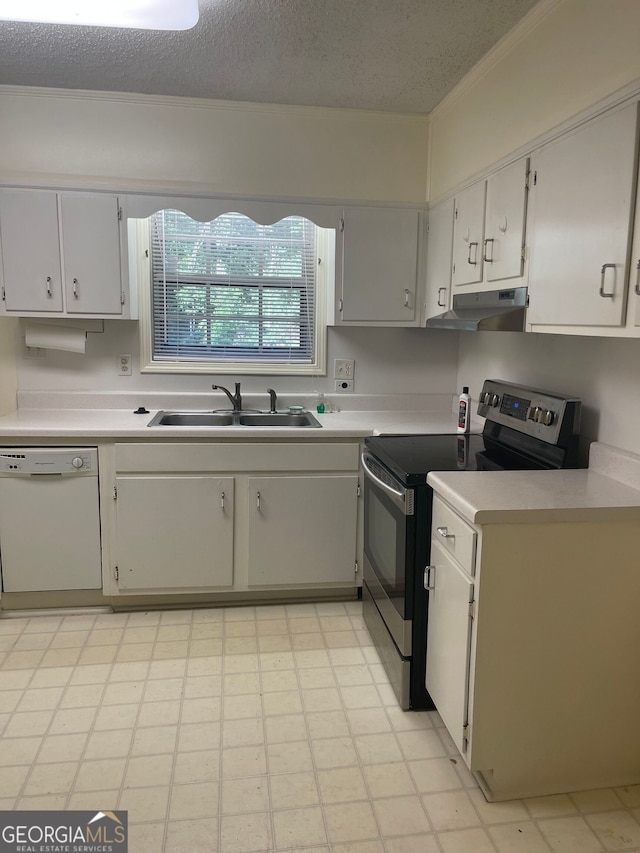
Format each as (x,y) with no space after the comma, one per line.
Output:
(255,729)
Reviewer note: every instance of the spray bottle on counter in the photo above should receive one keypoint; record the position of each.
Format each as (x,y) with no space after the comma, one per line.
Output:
(464,410)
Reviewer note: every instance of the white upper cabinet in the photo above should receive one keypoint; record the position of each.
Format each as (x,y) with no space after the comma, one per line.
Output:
(378,264)
(468,235)
(504,233)
(489,229)
(63,254)
(582,202)
(439,249)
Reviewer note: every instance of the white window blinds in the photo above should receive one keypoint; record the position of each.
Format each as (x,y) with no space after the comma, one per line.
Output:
(233,290)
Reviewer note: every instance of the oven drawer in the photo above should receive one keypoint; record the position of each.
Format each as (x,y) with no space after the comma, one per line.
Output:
(454,534)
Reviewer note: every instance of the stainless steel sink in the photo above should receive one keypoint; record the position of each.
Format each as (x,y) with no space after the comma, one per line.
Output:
(239,419)
(276,419)
(205,419)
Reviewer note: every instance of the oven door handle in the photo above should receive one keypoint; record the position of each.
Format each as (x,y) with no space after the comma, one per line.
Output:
(399,496)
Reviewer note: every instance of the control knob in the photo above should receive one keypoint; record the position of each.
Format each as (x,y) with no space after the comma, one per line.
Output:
(77,462)
(547,417)
(534,413)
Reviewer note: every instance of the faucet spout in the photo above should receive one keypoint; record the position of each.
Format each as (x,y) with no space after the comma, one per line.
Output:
(234,399)
(273,400)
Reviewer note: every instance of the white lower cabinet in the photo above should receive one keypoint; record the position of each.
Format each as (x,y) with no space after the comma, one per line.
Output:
(238,517)
(537,681)
(301,530)
(174,532)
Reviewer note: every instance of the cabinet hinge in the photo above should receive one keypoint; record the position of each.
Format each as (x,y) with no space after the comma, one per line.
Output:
(535,178)
(341,225)
(358,490)
(123,297)
(455,213)
(357,567)
(115,493)
(3,294)
(472,609)
(116,573)
(119,214)
(466,732)
(340,305)
(526,180)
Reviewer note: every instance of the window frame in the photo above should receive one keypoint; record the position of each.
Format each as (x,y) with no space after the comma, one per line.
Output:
(139,234)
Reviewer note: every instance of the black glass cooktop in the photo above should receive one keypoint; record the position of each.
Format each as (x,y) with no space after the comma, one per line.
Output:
(411,457)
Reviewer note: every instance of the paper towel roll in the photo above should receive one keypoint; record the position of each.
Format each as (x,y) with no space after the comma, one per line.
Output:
(55,337)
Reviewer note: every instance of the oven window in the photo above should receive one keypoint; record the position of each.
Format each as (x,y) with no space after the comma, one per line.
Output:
(386,545)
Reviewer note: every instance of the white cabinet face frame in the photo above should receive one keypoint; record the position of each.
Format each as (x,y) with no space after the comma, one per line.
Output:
(379,266)
(582,201)
(468,235)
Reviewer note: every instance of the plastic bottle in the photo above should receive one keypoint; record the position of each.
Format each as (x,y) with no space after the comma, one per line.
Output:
(320,406)
(464,403)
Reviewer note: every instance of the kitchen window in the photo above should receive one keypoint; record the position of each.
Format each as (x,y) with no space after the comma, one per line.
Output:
(235,295)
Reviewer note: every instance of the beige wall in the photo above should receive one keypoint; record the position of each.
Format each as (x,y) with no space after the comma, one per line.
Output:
(7,366)
(563,58)
(130,141)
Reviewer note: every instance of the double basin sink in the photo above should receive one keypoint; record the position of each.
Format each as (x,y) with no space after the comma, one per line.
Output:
(236,419)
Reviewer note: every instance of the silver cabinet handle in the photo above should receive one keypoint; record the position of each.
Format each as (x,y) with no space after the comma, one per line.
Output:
(258,501)
(222,501)
(406,297)
(486,246)
(427,577)
(637,287)
(444,532)
(475,256)
(75,288)
(602,275)
(441,304)
(49,286)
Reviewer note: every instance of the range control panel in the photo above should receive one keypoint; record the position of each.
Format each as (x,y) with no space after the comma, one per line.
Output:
(541,414)
(48,460)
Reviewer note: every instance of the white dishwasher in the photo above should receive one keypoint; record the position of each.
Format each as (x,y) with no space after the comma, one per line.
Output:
(49,519)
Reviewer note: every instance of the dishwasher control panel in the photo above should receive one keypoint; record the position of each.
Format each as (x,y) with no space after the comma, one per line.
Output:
(48,460)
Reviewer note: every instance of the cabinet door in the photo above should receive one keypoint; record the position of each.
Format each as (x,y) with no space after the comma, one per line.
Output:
(174,532)
(91,253)
(449,641)
(468,235)
(30,250)
(582,205)
(505,222)
(439,249)
(380,264)
(302,530)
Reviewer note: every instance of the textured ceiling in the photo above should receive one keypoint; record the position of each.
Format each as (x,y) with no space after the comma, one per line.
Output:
(392,55)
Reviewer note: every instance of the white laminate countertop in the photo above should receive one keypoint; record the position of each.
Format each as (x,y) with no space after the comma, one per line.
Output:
(81,423)
(510,497)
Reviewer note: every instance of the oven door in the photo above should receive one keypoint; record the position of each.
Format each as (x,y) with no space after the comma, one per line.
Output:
(389,548)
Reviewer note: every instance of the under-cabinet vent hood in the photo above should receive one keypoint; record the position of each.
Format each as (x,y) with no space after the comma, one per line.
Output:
(496,311)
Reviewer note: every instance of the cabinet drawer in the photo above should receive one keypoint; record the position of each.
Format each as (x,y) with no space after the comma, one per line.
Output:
(454,534)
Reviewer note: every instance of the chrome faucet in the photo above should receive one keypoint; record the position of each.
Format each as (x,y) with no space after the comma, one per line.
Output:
(234,399)
(273,400)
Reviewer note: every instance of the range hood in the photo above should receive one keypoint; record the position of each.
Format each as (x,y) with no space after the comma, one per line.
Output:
(495,311)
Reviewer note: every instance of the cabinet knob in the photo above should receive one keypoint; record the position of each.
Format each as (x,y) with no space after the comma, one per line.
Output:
(444,532)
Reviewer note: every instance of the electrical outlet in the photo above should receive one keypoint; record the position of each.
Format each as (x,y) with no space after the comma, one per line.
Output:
(343,368)
(345,386)
(124,365)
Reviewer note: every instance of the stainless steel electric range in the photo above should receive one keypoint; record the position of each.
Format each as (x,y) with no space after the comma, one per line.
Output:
(524,429)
